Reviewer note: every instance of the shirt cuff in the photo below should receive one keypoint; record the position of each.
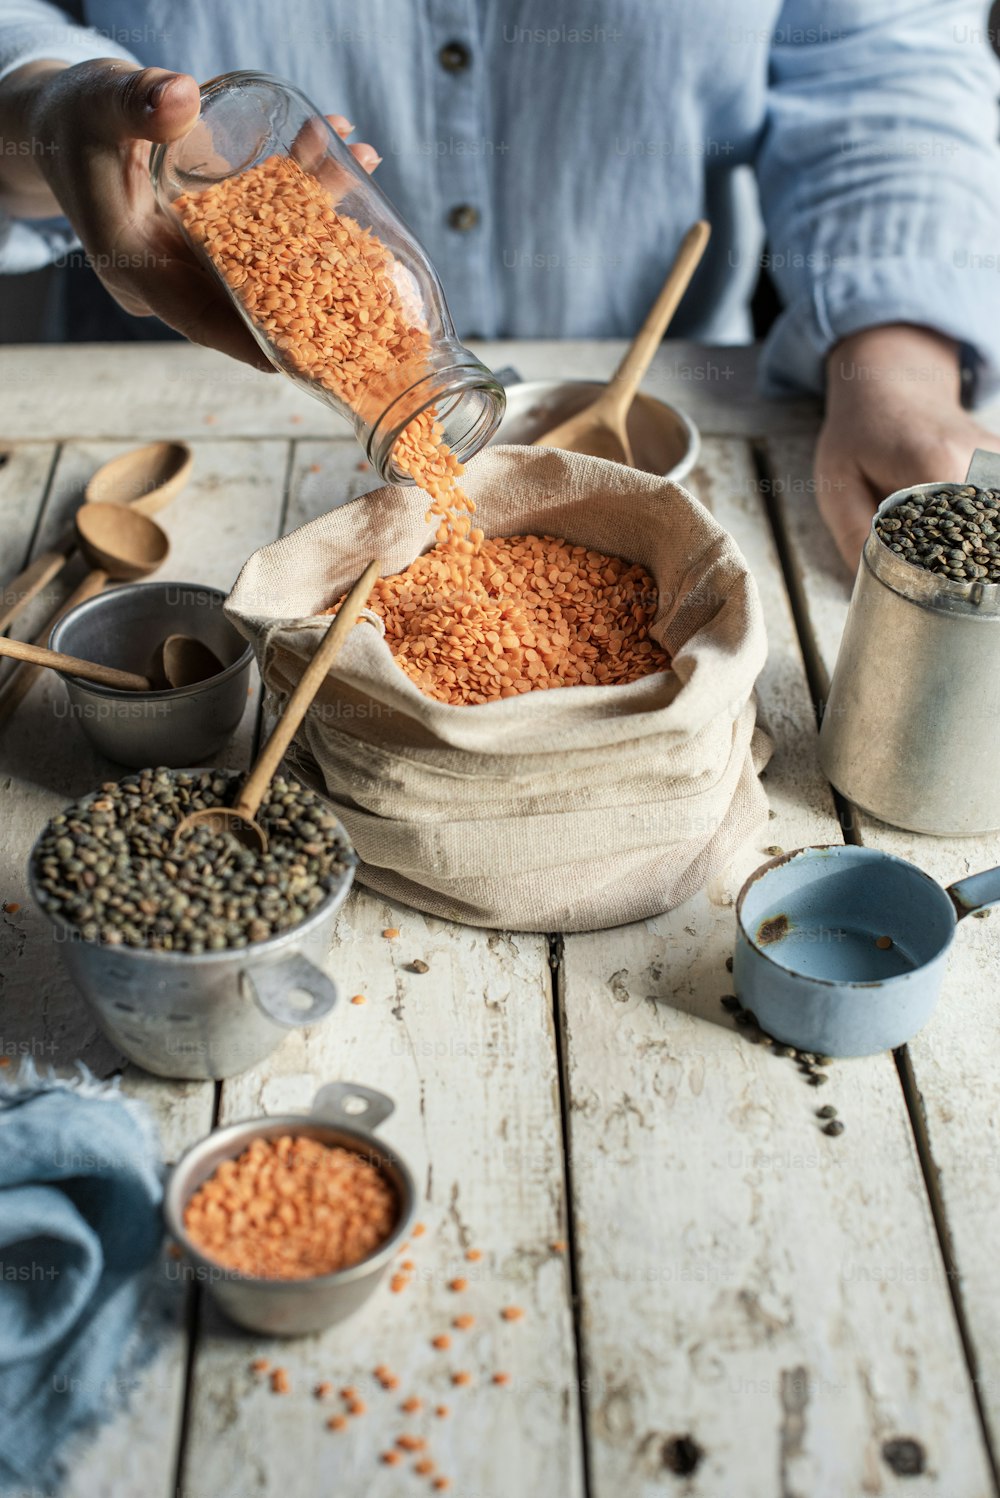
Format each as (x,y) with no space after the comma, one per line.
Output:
(30,244)
(44,42)
(960,300)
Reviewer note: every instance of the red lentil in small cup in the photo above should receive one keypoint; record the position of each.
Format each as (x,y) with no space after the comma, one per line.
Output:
(343,1118)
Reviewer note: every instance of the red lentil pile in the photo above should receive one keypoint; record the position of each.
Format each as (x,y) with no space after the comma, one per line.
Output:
(290,1208)
(473,620)
(520,614)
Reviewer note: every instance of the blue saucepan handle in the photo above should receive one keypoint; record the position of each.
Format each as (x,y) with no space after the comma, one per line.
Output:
(976,892)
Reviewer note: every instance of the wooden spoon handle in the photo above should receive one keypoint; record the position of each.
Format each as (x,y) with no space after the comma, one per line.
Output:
(626,378)
(298,703)
(23,588)
(57,660)
(22,678)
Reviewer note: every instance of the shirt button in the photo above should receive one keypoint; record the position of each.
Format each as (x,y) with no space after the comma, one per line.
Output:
(463,217)
(454,57)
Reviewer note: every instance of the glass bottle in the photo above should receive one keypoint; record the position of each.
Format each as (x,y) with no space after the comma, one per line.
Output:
(329,280)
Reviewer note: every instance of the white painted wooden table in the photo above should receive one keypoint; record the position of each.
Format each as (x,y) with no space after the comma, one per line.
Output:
(745,1307)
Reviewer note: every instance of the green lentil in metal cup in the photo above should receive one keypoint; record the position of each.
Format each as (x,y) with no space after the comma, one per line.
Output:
(111,866)
(953,530)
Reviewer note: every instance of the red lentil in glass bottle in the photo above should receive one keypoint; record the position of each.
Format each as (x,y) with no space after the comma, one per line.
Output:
(329,280)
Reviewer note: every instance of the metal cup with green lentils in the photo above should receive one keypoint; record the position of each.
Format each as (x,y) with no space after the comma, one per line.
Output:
(111,866)
(953,531)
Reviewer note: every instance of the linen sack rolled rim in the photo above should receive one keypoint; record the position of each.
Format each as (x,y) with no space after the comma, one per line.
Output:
(709,618)
(719,620)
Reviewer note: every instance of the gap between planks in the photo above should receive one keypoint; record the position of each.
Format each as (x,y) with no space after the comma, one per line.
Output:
(555,943)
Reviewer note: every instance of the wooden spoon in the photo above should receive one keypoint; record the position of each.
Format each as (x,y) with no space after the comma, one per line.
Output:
(145,479)
(186,661)
(107,676)
(239,818)
(121,541)
(120,544)
(601,429)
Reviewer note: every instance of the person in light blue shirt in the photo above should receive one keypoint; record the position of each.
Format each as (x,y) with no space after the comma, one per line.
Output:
(550,156)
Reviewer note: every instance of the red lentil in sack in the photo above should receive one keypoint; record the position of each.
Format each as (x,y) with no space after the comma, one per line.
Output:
(571,809)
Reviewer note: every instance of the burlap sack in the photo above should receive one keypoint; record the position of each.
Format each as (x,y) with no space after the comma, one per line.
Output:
(561,810)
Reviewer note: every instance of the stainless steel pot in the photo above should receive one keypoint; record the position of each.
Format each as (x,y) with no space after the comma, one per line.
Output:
(126,627)
(910,731)
(180,1014)
(344,1114)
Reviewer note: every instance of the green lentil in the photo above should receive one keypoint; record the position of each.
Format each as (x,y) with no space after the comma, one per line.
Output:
(111,867)
(953,530)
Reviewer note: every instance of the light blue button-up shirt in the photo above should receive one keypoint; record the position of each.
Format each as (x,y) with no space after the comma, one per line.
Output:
(576,142)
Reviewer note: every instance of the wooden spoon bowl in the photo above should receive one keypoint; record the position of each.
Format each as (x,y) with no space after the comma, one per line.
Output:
(187,661)
(601,430)
(120,540)
(146,479)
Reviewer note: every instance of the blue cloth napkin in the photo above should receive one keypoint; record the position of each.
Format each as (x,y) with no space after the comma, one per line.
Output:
(80,1187)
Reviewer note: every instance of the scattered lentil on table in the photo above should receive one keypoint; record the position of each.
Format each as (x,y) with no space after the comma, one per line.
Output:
(111,866)
(953,531)
(291,1208)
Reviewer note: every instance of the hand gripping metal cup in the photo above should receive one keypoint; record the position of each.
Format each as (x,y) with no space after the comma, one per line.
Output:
(909,733)
(344,1114)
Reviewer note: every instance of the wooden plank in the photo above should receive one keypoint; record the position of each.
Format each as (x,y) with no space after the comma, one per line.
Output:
(953,1055)
(25,468)
(324,476)
(738,1267)
(467,1050)
(177,390)
(233,504)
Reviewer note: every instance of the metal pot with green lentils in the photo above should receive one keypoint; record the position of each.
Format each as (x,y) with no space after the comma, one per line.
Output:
(110,864)
(953,531)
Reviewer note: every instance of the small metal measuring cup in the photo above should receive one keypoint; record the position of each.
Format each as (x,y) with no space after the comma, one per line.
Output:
(343,1114)
(909,732)
(841,950)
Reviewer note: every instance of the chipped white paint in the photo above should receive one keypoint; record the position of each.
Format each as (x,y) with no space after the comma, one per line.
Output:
(467,1050)
(775,1294)
(954,1056)
(233,503)
(746,1280)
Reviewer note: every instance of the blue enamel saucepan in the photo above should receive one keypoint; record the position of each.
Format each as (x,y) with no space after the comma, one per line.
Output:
(842,950)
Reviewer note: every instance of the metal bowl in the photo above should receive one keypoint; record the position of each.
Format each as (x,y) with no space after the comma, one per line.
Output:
(210,1014)
(665,440)
(126,627)
(344,1114)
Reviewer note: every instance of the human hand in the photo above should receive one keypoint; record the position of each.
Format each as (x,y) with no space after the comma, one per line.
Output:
(893,418)
(92,125)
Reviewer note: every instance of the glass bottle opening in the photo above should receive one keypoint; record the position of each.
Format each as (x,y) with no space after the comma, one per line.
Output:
(465,398)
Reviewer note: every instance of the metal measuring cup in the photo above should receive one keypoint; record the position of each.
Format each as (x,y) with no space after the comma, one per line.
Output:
(343,1114)
(909,731)
(841,950)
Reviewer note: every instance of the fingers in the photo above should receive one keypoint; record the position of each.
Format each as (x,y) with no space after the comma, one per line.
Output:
(365,155)
(118,103)
(846,503)
(186,300)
